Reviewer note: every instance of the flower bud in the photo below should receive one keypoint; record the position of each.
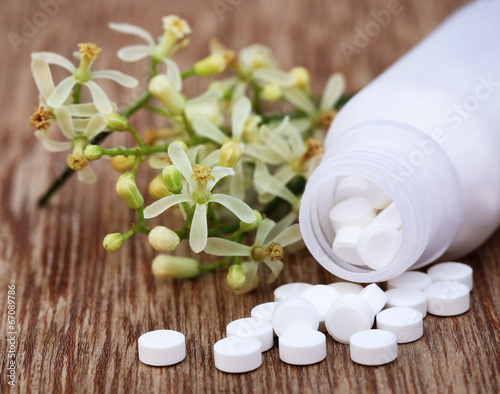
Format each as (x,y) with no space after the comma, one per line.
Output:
(117,122)
(211,65)
(302,78)
(163,239)
(236,277)
(230,154)
(128,190)
(112,242)
(158,189)
(247,227)
(271,92)
(166,266)
(93,152)
(162,88)
(122,163)
(173,178)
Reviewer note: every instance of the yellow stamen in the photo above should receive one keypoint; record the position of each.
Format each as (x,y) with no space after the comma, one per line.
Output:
(326,117)
(202,174)
(77,161)
(275,251)
(40,118)
(89,51)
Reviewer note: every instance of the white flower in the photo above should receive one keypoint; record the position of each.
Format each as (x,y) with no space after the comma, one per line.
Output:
(200,180)
(82,75)
(267,248)
(175,29)
(76,139)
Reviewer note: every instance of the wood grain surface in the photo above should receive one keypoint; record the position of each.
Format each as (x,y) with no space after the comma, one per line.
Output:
(80,309)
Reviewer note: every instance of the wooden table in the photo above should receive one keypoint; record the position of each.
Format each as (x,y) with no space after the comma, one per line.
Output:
(80,309)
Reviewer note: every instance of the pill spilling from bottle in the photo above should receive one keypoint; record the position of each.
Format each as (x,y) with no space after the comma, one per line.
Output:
(373,322)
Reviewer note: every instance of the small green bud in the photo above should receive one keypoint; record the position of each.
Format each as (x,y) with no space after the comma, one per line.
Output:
(247,227)
(230,154)
(271,92)
(167,266)
(112,242)
(173,178)
(302,78)
(117,122)
(236,277)
(128,190)
(93,152)
(163,239)
(158,189)
(211,65)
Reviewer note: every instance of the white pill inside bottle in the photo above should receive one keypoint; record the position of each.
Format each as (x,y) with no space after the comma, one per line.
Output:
(345,245)
(377,197)
(378,244)
(349,187)
(355,212)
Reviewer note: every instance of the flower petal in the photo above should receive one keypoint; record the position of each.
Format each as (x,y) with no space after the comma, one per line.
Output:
(42,76)
(273,75)
(181,161)
(65,122)
(237,183)
(238,207)
(101,101)
(333,91)
(127,28)
(158,161)
(288,236)
(205,98)
(61,92)
(302,124)
(241,111)
(281,225)
(284,174)
(174,74)
(51,145)
(276,267)
(206,128)
(97,123)
(276,143)
(264,153)
(84,110)
(212,159)
(225,247)
(296,143)
(219,173)
(133,53)
(117,76)
(238,92)
(164,203)
(265,227)
(298,98)
(251,278)
(55,58)
(266,183)
(199,231)
(87,175)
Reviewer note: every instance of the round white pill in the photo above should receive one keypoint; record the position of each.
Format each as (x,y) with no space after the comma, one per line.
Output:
(322,297)
(373,347)
(162,347)
(345,245)
(390,216)
(302,347)
(264,311)
(410,298)
(457,272)
(406,323)
(252,327)
(447,298)
(237,355)
(378,244)
(377,197)
(348,315)
(354,212)
(289,290)
(346,287)
(294,312)
(349,187)
(410,280)
(375,296)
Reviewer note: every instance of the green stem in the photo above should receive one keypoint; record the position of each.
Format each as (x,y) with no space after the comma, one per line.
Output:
(219,264)
(140,213)
(157,110)
(257,104)
(143,151)
(211,215)
(137,162)
(188,73)
(136,135)
(77,93)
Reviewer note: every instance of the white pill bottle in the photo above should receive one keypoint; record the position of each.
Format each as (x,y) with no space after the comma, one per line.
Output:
(427,131)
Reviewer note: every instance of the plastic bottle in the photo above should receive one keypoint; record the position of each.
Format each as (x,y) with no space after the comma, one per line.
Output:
(427,131)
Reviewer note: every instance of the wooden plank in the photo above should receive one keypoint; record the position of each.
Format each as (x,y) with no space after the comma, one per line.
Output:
(81,309)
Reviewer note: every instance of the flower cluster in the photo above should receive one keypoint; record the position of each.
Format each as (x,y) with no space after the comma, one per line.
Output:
(234,172)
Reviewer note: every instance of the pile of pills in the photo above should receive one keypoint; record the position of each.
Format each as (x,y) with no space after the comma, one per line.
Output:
(366,222)
(372,321)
